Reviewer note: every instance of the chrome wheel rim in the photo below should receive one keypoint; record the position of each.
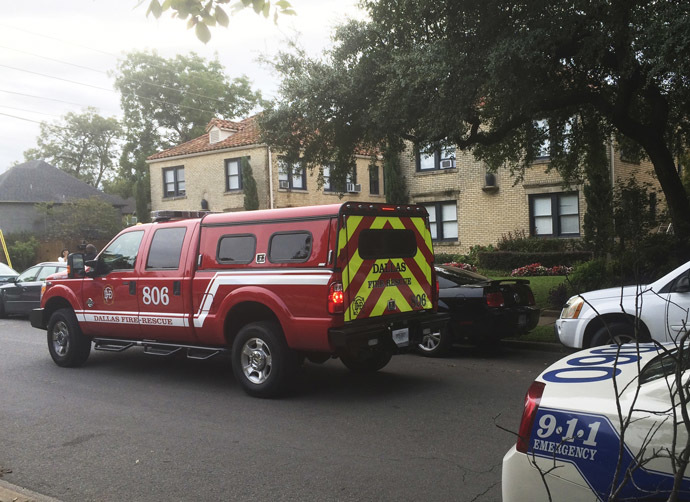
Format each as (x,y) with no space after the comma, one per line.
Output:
(60,338)
(256,360)
(430,341)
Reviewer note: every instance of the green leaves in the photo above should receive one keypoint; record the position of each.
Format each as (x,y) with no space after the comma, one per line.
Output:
(204,14)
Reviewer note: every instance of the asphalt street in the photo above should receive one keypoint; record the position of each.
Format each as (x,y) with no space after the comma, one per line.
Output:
(137,427)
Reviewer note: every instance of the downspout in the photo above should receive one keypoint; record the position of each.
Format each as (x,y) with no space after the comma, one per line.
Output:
(611,161)
(270,179)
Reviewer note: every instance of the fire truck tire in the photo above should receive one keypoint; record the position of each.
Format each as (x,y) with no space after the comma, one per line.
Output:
(436,344)
(366,361)
(261,359)
(67,345)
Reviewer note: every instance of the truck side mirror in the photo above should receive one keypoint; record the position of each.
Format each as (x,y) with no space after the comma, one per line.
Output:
(75,266)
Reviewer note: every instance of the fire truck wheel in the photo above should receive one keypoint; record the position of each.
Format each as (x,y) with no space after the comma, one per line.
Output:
(261,359)
(435,344)
(67,345)
(366,361)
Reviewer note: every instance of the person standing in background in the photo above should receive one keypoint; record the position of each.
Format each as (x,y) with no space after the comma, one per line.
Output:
(63,256)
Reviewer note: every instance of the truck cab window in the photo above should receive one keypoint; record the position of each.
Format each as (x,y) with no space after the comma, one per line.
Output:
(121,254)
(166,248)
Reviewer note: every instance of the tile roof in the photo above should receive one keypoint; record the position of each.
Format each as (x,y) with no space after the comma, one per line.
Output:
(37,181)
(247,133)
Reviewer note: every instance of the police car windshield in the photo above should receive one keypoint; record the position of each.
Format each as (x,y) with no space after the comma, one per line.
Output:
(666,364)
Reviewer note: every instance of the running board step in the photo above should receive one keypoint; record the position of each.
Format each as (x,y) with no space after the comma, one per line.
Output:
(155,348)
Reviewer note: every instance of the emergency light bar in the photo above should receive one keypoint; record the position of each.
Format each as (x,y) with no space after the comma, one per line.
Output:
(168,215)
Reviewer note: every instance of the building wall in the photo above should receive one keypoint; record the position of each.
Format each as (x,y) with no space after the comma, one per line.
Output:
(205,179)
(20,217)
(485,214)
(315,195)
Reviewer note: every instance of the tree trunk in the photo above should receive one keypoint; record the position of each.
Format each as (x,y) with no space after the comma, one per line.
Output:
(676,196)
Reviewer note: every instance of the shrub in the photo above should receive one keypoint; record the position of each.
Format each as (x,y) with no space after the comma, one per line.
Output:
(509,260)
(23,253)
(536,269)
(460,265)
(558,295)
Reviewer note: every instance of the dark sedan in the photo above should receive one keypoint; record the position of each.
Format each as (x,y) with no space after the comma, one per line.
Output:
(482,310)
(23,293)
(7,273)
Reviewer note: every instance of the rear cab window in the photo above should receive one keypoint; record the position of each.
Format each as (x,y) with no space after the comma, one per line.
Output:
(236,249)
(290,247)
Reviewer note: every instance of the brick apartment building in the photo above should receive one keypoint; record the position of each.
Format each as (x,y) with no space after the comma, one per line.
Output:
(208,169)
(467,205)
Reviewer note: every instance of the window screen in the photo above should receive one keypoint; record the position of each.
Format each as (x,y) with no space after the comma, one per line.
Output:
(166,248)
(387,243)
(236,249)
(290,247)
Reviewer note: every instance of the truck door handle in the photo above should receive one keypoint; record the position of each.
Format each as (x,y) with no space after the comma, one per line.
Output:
(132,287)
(176,288)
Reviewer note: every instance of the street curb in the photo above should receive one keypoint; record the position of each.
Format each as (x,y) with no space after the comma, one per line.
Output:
(13,493)
(543,346)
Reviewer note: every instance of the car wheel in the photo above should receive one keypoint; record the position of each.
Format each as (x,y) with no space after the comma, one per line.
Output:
(435,344)
(615,332)
(367,361)
(261,359)
(66,343)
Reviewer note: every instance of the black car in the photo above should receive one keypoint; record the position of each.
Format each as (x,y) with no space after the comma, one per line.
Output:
(6,273)
(481,310)
(23,293)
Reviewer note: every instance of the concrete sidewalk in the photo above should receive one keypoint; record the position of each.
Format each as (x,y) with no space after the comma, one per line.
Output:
(12,493)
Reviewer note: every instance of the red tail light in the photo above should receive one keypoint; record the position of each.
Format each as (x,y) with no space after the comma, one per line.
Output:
(530,298)
(336,299)
(495,299)
(532,400)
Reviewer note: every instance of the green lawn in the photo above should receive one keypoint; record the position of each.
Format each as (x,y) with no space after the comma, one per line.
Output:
(541,285)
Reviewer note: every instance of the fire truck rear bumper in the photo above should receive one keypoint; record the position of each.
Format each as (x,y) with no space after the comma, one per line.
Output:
(386,332)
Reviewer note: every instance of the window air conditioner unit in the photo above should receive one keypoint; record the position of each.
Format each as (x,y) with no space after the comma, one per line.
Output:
(354,188)
(447,164)
(284,184)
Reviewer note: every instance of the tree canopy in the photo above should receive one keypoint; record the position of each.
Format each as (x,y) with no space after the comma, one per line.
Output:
(167,102)
(84,145)
(203,14)
(500,78)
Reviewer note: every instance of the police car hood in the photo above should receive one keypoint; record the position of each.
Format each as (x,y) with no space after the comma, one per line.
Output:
(589,375)
(617,292)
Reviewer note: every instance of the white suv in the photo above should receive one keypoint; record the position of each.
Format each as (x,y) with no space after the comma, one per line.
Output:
(657,311)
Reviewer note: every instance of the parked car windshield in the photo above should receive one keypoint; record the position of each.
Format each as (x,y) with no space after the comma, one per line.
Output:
(450,277)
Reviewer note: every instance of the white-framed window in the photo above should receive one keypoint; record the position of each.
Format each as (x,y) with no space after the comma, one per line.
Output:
(443,220)
(329,186)
(291,175)
(173,181)
(555,215)
(233,174)
(544,149)
(430,158)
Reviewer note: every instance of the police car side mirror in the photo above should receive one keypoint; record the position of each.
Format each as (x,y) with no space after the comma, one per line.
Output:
(75,265)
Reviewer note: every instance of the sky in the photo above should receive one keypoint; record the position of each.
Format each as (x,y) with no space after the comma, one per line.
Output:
(55,55)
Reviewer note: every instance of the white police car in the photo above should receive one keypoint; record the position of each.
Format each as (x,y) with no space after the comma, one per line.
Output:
(617,314)
(576,444)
